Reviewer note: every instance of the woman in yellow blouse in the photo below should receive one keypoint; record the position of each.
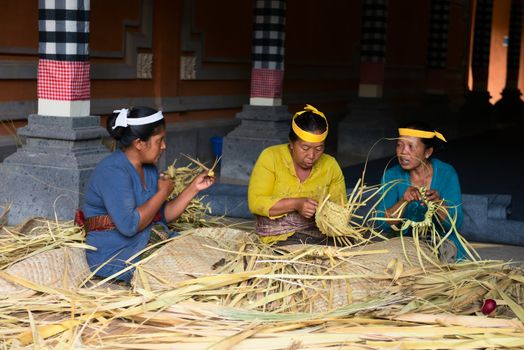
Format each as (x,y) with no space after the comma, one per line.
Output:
(289,179)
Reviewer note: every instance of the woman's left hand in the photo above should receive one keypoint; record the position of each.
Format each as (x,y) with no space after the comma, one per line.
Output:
(203,181)
(433,196)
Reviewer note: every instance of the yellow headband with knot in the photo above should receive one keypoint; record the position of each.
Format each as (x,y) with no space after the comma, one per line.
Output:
(305,135)
(420,133)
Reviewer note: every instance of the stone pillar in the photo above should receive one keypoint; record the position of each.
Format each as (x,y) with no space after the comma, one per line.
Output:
(476,114)
(373,48)
(510,108)
(46,177)
(369,118)
(264,122)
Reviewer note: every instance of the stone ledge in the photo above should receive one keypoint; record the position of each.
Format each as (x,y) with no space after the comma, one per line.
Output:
(485,216)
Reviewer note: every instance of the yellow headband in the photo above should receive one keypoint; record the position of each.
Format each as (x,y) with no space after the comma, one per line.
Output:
(305,135)
(420,133)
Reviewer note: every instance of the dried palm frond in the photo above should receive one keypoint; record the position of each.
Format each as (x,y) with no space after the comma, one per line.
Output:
(195,214)
(11,128)
(4,212)
(210,171)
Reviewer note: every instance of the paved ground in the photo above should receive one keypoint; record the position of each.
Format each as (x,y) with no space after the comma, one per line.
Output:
(500,252)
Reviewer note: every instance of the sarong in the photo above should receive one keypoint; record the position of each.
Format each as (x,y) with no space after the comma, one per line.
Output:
(290,229)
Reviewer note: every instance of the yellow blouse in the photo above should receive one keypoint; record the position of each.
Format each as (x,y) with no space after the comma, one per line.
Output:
(274,178)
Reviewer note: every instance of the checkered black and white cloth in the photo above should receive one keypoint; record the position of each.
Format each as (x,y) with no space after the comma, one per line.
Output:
(63,68)
(373,39)
(63,27)
(269,34)
(482,35)
(437,52)
(267,73)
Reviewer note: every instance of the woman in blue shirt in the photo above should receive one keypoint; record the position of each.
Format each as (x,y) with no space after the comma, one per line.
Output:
(417,169)
(126,194)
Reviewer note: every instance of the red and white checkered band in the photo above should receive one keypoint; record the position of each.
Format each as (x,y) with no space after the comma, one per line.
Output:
(63,80)
(266,82)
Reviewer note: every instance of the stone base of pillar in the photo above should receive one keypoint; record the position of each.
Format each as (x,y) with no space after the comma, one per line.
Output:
(260,127)
(361,132)
(510,108)
(47,176)
(476,115)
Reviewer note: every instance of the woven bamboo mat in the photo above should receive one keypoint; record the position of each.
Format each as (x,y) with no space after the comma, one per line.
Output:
(63,268)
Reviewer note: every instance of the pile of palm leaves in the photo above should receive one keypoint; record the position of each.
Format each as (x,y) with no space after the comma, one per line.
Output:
(35,236)
(239,304)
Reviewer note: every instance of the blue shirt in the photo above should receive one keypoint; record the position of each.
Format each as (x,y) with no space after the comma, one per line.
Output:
(115,189)
(445,181)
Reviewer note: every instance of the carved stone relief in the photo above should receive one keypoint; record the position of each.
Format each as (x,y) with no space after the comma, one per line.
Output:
(187,67)
(144,66)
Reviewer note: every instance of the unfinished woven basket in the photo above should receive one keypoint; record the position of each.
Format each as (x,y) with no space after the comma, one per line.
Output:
(63,268)
(334,220)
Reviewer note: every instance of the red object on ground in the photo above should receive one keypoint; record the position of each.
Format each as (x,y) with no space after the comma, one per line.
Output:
(80,218)
(489,306)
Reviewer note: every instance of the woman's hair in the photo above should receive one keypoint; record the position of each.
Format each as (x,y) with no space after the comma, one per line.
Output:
(434,142)
(126,135)
(308,121)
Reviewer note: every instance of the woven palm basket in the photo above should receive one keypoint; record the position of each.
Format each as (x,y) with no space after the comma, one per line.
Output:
(63,268)
(189,256)
(369,269)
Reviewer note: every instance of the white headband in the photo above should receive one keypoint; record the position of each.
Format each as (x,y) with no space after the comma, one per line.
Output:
(123,121)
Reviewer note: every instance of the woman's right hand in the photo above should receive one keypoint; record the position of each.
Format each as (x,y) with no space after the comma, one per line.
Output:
(306,207)
(202,181)
(412,194)
(165,185)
